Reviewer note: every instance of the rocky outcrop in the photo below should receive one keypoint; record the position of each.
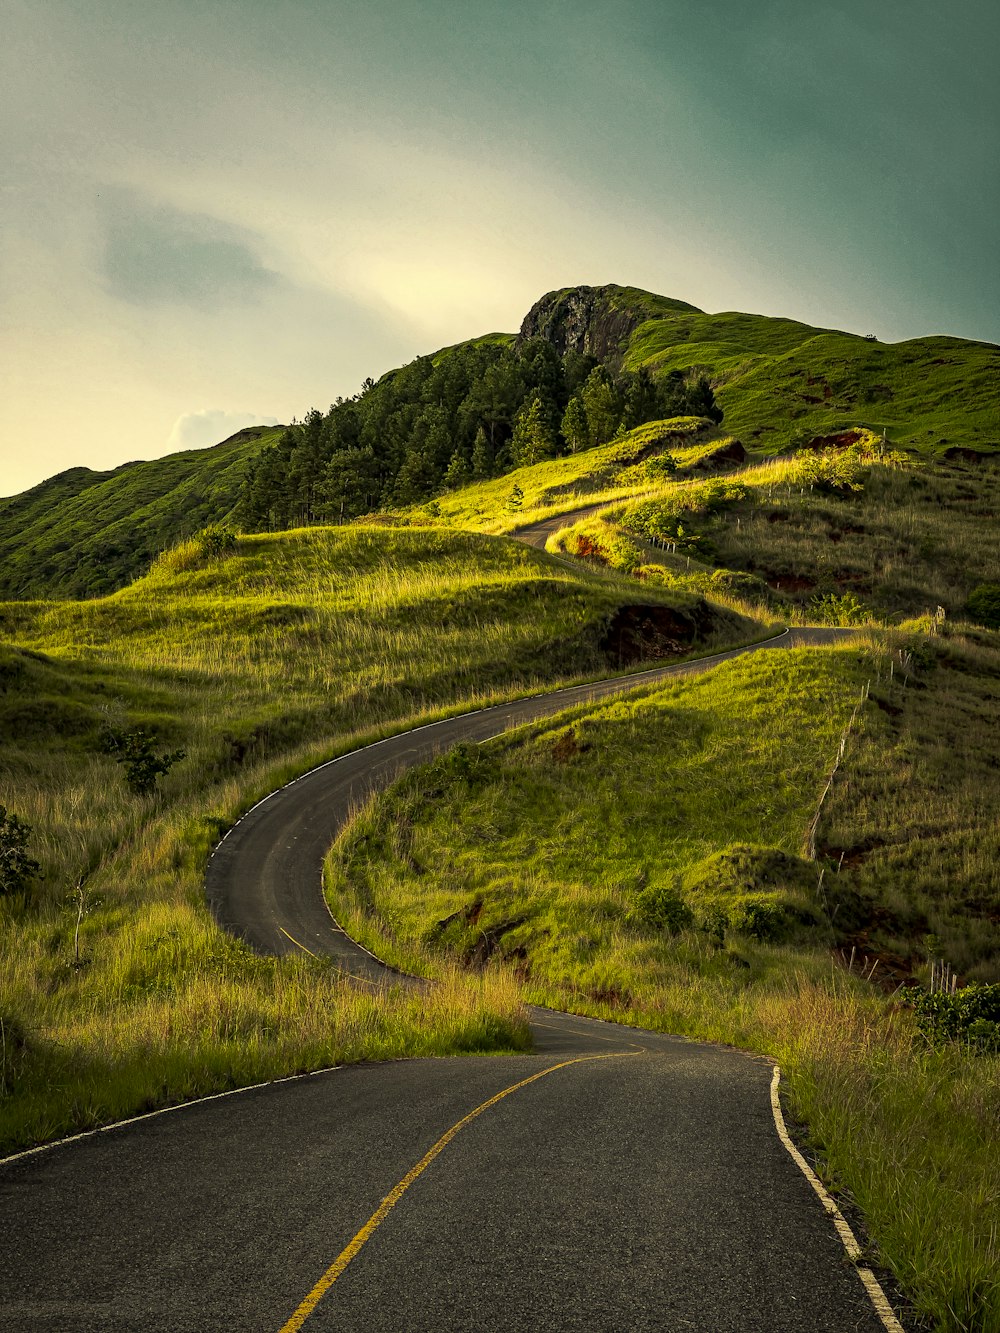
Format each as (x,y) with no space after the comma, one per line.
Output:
(727,455)
(596,321)
(649,633)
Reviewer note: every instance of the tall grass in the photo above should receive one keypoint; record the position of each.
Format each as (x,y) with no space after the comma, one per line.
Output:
(295,647)
(566,849)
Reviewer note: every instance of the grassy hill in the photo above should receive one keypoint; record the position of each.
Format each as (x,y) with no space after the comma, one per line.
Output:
(760,856)
(780,383)
(86,533)
(257,664)
(689,902)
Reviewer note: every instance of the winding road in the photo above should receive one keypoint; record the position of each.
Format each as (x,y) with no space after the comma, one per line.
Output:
(612,1180)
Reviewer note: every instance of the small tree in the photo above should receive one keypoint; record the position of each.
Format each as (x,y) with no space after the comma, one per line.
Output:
(482,457)
(575,427)
(457,473)
(17,868)
(516,499)
(134,750)
(533,438)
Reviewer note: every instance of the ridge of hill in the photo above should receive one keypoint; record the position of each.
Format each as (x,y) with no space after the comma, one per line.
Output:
(617,356)
(83,533)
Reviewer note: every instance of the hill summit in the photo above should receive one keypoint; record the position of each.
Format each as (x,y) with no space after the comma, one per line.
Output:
(596,321)
(588,361)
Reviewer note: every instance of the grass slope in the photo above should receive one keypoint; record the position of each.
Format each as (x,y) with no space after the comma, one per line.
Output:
(294,647)
(643,861)
(84,534)
(916,533)
(779,382)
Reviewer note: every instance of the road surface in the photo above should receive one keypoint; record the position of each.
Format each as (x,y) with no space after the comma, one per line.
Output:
(612,1180)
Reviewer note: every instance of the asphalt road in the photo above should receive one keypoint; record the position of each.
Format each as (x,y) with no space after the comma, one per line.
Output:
(263,879)
(634,1181)
(537,534)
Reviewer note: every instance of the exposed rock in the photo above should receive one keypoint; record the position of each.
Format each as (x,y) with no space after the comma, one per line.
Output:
(641,633)
(843,440)
(596,321)
(957,454)
(733,452)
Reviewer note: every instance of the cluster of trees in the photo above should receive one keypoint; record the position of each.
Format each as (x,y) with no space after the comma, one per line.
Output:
(474,412)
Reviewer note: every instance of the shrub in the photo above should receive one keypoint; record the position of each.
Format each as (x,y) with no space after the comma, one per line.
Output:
(829,609)
(661,907)
(17,869)
(983,605)
(215,540)
(970,1015)
(761,918)
(134,749)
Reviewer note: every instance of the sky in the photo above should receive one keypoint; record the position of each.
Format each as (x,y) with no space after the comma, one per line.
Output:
(217,212)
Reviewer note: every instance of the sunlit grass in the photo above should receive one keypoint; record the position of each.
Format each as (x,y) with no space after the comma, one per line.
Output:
(544,850)
(295,647)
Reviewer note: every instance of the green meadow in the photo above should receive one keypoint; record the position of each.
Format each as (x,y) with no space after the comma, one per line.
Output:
(119,992)
(670,860)
(778,854)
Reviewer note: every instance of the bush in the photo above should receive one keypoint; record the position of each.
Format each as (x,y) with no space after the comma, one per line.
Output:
(661,907)
(134,749)
(845,610)
(215,540)
(970,1015)
(17,869)
(983,605)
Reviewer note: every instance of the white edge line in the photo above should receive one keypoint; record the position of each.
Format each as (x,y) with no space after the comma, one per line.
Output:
(292,1078)
(163,1110)
(871,1283)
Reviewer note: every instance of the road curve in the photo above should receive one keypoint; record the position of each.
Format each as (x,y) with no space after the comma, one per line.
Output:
(612,1180)
(537,534)
(263,881)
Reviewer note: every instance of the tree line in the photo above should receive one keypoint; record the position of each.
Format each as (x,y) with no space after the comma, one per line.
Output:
(474,412)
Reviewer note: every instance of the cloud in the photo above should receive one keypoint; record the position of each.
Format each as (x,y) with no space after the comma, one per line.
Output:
(155,254)
(195,430)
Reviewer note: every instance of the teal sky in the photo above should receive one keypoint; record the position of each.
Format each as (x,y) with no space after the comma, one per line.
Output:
(226,211)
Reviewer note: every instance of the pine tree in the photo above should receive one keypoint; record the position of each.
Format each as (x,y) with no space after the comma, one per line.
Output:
(575,426)
(602,404)
(482,457)
(641,399)
(516,499)
(533,438)
(701,401)
(416,480)
(457,473)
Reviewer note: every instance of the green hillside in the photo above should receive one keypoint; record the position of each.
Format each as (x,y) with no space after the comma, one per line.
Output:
(256,664)
(86,533)
(781,382)
(780,854)
(483,408)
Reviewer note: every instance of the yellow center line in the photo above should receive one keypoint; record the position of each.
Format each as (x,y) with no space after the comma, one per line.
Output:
(298,943)
(585,1032)
(389,1202)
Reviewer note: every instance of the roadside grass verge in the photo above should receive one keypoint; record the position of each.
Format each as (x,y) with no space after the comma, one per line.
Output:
(643,862)
(259,664)
(224,1026)
(913,537)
